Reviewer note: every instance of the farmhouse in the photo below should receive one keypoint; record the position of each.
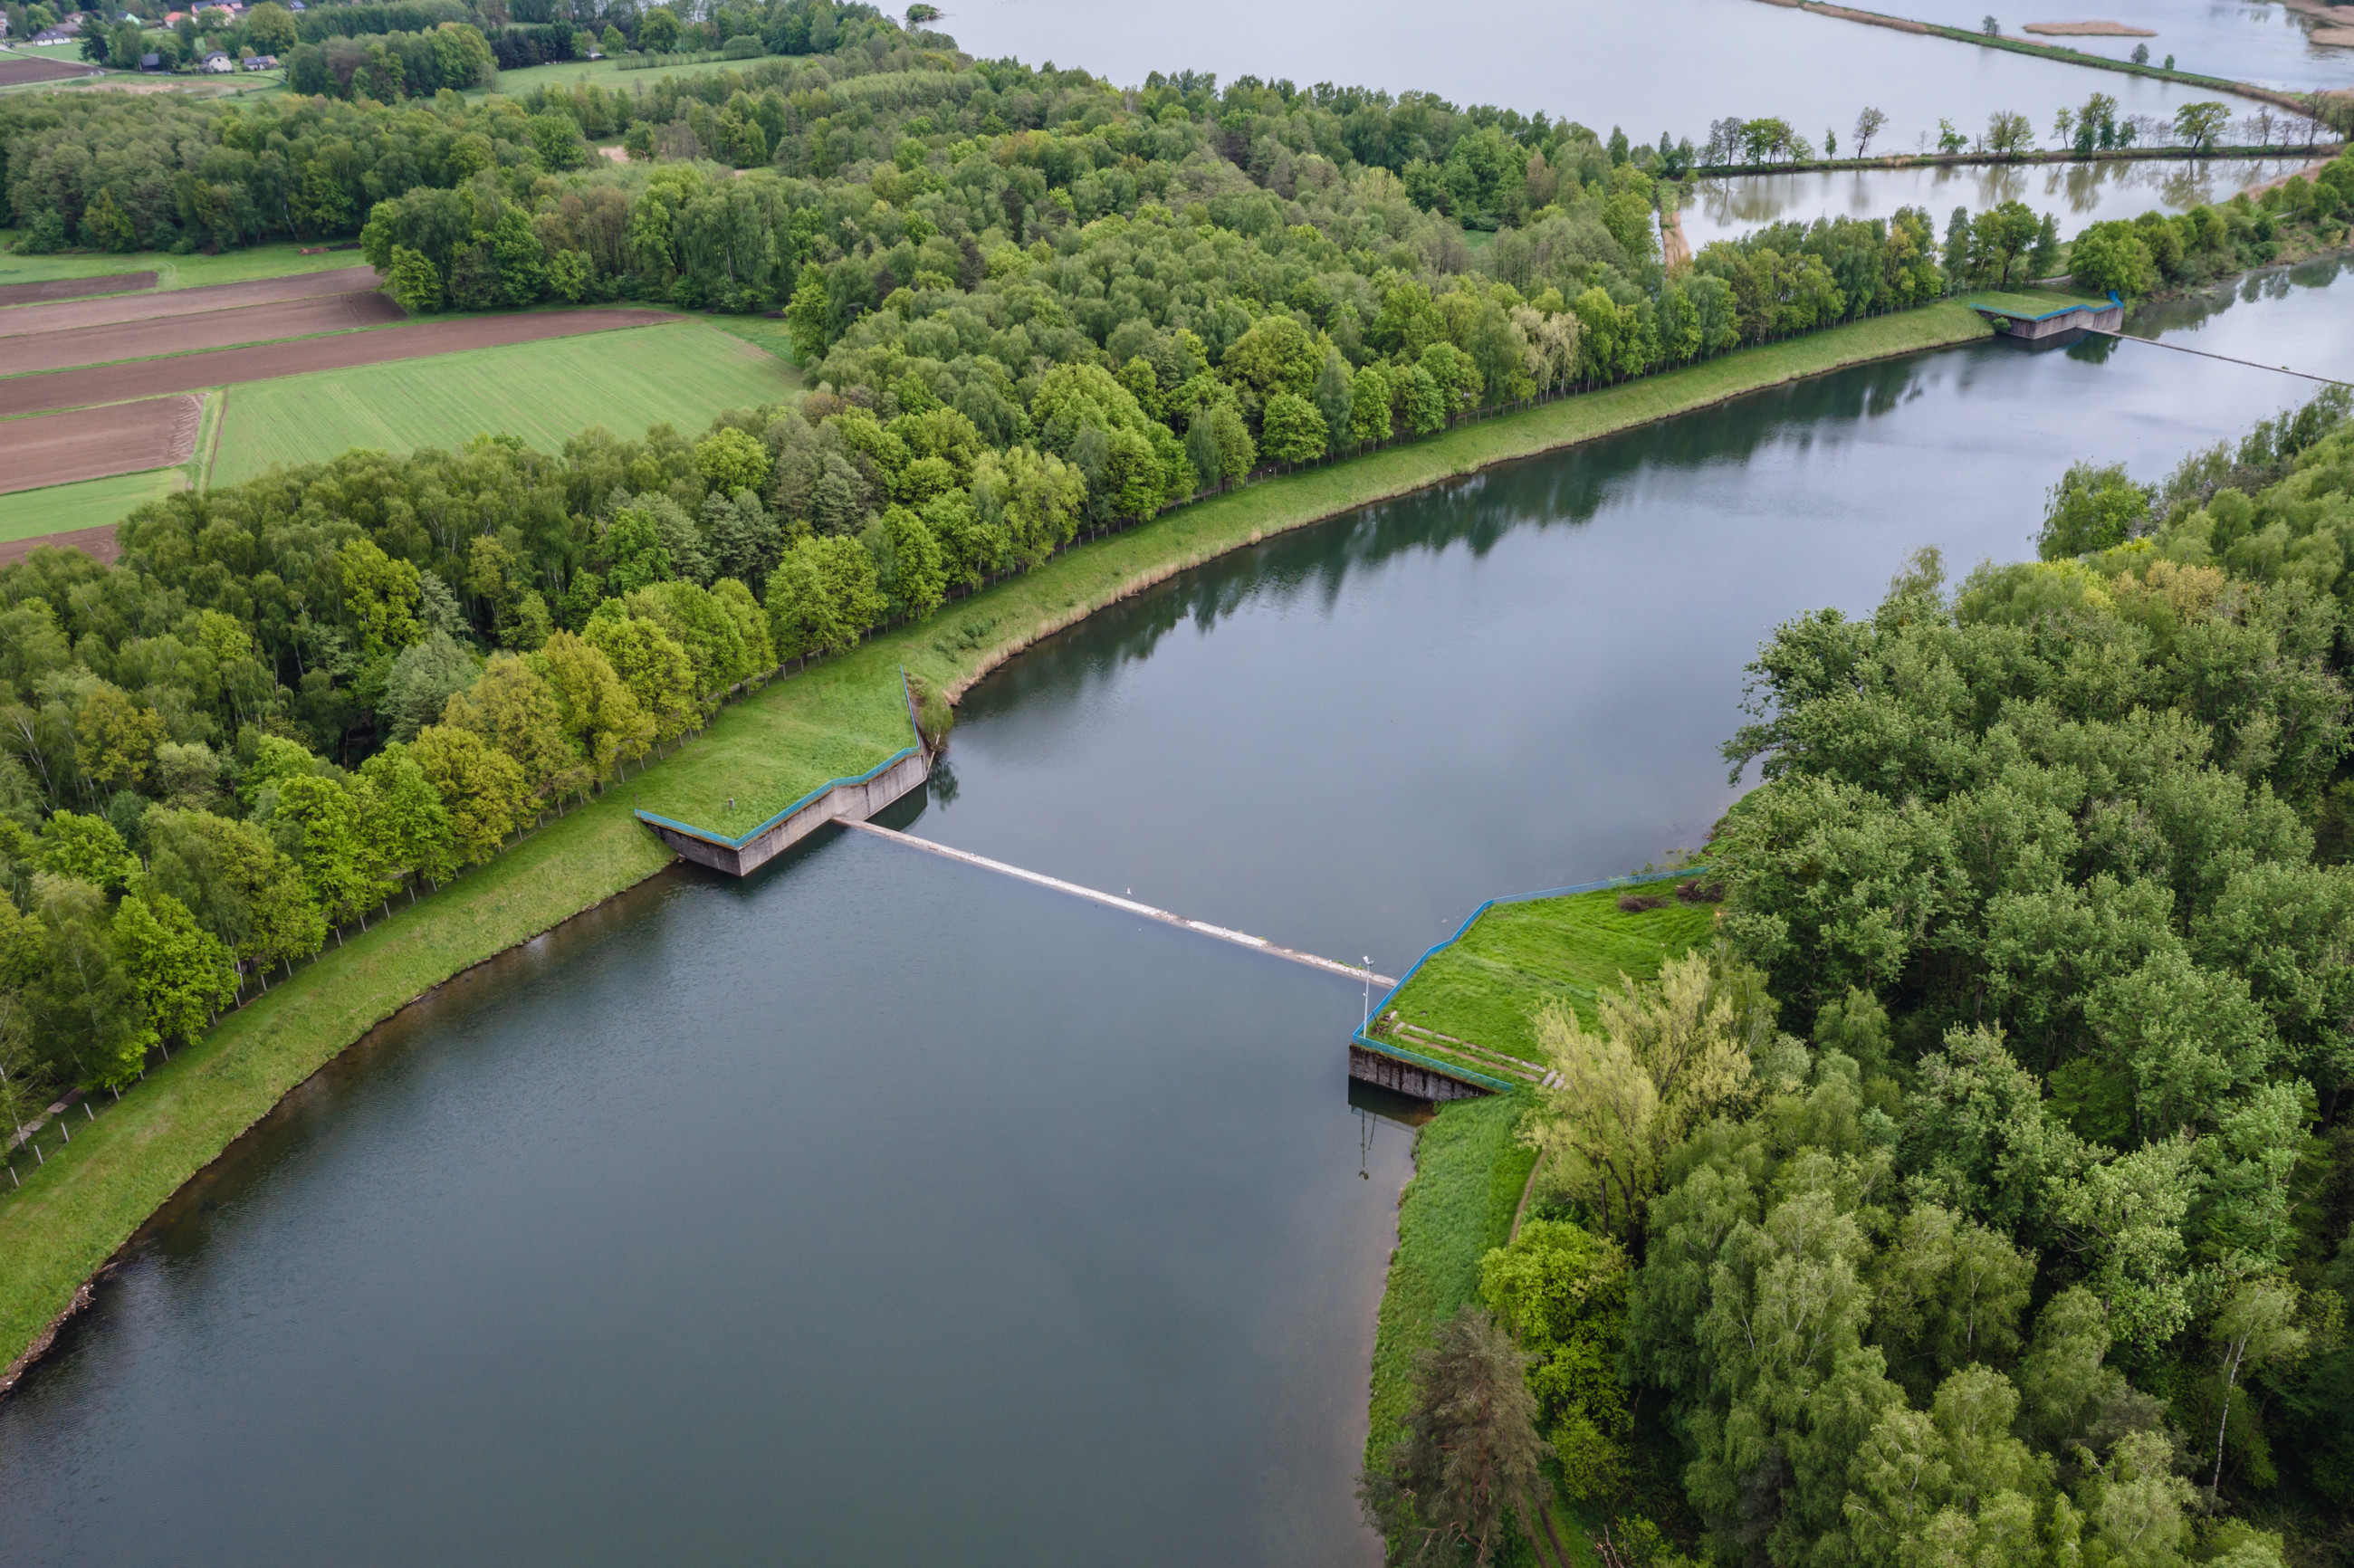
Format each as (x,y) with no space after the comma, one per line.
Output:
(151,62)
(217,62)
(261,62)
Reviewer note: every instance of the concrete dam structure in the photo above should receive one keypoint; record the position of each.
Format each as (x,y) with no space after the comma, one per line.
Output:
(2087,317)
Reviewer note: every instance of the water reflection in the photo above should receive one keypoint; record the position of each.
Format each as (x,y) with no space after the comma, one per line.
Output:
(2076,193)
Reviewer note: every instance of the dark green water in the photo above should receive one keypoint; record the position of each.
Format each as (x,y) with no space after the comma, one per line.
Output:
(884,1211)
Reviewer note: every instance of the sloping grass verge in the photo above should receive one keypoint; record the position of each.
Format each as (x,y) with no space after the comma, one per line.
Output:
(839,717)
(1468,1170)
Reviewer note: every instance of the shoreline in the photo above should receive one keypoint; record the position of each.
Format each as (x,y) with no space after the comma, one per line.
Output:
(2318,151)
(2060,54)
(58,1239)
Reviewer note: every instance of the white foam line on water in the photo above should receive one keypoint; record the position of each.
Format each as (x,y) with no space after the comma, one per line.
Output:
(1240,938)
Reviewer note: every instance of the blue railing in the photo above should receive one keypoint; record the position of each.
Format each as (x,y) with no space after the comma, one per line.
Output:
(1500,1085)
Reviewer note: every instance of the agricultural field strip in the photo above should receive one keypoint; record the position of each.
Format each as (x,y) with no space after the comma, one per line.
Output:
(61,312)
(123,438)
(118,342)
(331,350)
(12,295)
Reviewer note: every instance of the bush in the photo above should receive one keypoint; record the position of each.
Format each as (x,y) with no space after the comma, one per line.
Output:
(742,47)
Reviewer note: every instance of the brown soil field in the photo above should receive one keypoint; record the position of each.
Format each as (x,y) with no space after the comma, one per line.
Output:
(81,313)
(125,437)
(15,72)
(74,288)
(341,351)
(2089,30)
(97,544)
(186,334)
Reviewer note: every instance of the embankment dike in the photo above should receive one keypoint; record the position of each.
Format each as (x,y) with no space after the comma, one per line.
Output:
(65,1224)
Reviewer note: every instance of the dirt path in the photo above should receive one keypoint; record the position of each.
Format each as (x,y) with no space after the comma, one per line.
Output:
(341,351)
(81,313)
(187,334)
(124,437)
(74,288)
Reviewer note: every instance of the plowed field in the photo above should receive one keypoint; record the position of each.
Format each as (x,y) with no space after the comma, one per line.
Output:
(17,73)
(343,350)
(77,311)
(123,438)
(97,544)
(74,288)
(184,334)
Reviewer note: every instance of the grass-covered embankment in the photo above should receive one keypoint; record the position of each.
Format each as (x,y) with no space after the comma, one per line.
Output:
(1469,1169)
(840,717)
(1484,988)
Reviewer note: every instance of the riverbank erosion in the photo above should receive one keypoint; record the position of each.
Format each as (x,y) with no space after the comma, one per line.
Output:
(81,1209)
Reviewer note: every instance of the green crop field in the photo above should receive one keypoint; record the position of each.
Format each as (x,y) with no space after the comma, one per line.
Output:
(681,373)
(172,271)
(604,73)
(92,503)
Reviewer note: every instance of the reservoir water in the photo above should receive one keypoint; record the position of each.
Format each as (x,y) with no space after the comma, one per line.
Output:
(882,1210)
(1604,62)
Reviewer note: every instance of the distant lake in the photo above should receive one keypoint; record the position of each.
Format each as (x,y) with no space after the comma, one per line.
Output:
(1647,67)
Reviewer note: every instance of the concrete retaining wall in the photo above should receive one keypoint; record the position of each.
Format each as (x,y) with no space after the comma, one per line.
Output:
(859,799)
(1408,1078)
(2107,318)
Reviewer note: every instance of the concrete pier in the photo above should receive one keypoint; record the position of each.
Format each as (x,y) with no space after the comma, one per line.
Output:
(2086,317)
(1411,1078)
(848,799)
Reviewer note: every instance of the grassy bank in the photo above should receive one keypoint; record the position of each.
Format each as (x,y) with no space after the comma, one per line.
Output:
(1468,1170)
(837,717)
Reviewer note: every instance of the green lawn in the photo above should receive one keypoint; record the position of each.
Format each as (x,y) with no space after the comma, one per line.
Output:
(172,271)
(840,717)
(681,373)
(1484,988)
(91,503)
(2031,301)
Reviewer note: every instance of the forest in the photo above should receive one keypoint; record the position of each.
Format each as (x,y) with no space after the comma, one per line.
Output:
(1985,1195)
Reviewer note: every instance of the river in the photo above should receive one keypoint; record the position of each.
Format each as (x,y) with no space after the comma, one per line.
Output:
(884,1210)
(1646,67)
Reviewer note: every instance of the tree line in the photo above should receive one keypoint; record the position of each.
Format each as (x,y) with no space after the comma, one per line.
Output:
(2138,256)
(1985,1193)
